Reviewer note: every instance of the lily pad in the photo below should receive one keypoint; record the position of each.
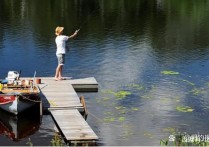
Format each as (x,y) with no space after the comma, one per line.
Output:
(190,83)
(169,129)
(136,86)
(121,118)
(118,107)
(109,119)
(184,109)
(108,92)
(122,94)
(196,91)
(123,111)
(108,113)
(105,98)
(134,109)
(119,95)
(169,72)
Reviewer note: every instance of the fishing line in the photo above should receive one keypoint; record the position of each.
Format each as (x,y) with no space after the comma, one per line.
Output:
(101,120)
(88,18)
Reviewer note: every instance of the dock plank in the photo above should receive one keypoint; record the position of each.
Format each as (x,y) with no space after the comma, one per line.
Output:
(85,84)
(58,94)
(70,123)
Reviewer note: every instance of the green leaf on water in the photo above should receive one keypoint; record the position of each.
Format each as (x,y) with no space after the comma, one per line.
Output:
(108,113)
(196,91)
(136,86)
(145,97)
(123,111)
(190,83)
(169,129)
(118,107)
(109,119)
(134,109)
(119,95)
(168,72)
(105,98)
(108,92)
(122,94)
(184,109)
(121,118)
(98,100)
(147,134)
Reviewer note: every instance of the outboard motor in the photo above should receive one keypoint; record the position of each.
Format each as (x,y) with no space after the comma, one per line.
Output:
(12,76)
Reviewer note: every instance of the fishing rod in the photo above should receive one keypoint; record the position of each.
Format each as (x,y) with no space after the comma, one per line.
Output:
(88,18)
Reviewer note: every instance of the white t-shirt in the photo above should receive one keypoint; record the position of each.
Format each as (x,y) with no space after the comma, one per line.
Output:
(61,44)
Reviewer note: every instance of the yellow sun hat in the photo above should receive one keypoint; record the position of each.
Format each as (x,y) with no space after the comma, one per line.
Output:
(58,30)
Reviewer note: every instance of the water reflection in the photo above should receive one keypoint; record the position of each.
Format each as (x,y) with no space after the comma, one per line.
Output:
(19,127)
(121,43)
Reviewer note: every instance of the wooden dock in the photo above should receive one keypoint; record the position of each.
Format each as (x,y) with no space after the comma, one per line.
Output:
(61,99)
(73,127)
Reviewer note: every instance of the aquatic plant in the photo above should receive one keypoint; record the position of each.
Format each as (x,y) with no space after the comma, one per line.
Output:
(119,107)
(122,94)
(134,109)
(105,98)
(119,95)
(108,113)
(184,109)
(121,118)
(29,143)
(57,140)
(168,72)
(190,83)
(136,86)
(109,119)
(148,134)
(196,91)
(146,97)
(108,92)
(169,129)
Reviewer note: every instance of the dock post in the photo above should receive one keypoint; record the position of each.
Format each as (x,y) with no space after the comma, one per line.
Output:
(82,100)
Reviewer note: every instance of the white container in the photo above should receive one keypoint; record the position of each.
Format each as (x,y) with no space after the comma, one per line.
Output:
(26,82)
(10,81)
(13,75)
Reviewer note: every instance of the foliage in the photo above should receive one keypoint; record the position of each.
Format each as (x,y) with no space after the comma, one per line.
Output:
(119,95)
(57,140)
(122,94)
(184,109)
(29,143)
(190,83)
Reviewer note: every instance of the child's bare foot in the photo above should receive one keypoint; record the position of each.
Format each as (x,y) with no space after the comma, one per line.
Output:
(56,79)
(62,78)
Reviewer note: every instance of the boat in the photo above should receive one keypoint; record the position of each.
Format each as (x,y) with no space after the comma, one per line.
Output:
(18,127)
(16,99)
(17,95)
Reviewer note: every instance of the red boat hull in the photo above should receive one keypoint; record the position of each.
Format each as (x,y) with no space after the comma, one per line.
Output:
(5,99)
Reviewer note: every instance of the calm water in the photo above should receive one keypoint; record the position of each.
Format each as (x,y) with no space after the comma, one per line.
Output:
(129,47)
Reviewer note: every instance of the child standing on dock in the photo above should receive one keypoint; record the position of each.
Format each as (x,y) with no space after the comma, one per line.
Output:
(61,50)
